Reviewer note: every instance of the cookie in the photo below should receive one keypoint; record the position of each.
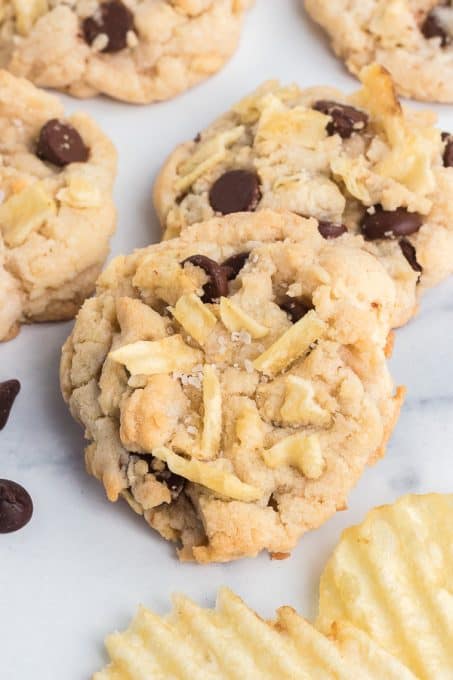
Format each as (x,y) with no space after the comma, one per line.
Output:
(138,51)
(411,38)
(358,164)
(232,382)
(56,209)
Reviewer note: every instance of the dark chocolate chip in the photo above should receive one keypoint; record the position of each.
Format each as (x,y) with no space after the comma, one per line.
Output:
(448,150)
(174,483)
(410,254)
(432,28)
(235,191)
(345,119)
(8,392)
(389,223)
(331,230)
(234,264)
(217,285)
(294,307)
(60,143)
(197,138)
(112,19)
(16,506)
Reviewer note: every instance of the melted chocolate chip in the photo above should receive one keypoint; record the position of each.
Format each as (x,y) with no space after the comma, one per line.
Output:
(217,285)
(389,223)
(448,150)
(345,119)
(234,264)
(16,506)
(410,254)
(331,230)
(235,191)
(432,28)
(8,392)
(175,483)
(294,307)
(60,143)
(112,19)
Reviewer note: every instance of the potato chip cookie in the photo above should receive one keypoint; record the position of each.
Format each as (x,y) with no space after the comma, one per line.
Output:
(357,164)
(56,209)
(232,382)
(392,577)
(411,38)
(138,51)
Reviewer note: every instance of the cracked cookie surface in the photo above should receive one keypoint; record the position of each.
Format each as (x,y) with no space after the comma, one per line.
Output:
(56,209)
(232,382)
(137,50)
(359,164)
(413,39)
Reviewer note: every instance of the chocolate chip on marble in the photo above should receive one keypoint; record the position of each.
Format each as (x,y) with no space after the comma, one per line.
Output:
(217,285)
(113,20)
(330,230)
(410,254)
(432,28)
(235,191)
(234,264)
(389,223)
(8,392)
(345,119)
(294,307)
(60,143)
(16,506)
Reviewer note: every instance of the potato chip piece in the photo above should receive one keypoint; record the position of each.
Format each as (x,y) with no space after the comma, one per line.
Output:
(25,212)
(80,192)
(231,642)
(195,317)
(210,475)
(292,344)
(392,576)
(212,413)
(279,124)
(149,357)
(301,451)
(236,319)
(300,406)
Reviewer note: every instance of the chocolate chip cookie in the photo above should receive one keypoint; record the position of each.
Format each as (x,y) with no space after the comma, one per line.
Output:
(413,39)
(360,165)
(56,208)
(134,50)
(232,382)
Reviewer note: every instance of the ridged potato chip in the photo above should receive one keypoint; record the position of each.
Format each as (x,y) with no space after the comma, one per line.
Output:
(392,576)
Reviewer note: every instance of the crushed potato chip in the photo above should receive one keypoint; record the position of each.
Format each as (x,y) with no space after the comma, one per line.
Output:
(27,13)
(292,344)
(392,576)
(195,317)
(24,213)
(300,451)
(236,319)
(212,418)
(150,357)
(278,124)
(80,193)
(210,475)
(300,407)
(231,642)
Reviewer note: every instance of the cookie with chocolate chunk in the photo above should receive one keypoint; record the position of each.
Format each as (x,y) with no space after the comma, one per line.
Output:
(56,208)
(360,164)
(137,51)
(413,39)
(232,382)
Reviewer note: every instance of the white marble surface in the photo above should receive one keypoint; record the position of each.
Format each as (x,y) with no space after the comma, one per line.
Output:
(80,568)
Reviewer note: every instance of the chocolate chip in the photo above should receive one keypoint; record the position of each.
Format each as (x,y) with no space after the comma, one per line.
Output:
(345,119)
(331,230)
(8,392)
(234,264)
(410,254)
(60,143)
(235,191)
(294,307)
(16,506)
(174,483)
(448,150)
(217,285)
(432,28)
(389,223)
(112,19)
